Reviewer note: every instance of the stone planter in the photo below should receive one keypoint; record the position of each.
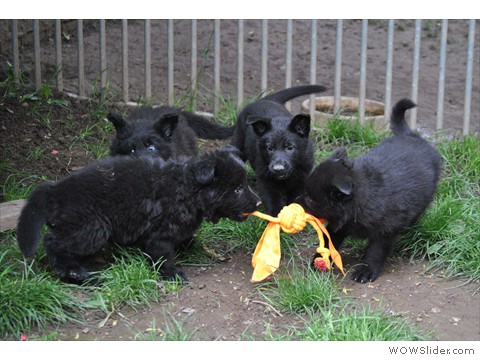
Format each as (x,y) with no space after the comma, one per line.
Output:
(374,110)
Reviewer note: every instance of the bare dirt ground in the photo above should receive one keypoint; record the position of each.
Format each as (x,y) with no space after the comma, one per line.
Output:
(220,303)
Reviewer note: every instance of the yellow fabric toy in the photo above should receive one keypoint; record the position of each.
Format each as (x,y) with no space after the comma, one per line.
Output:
(291,219)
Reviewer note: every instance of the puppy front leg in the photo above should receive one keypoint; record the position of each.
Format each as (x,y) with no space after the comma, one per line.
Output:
(369,269)
(272,197)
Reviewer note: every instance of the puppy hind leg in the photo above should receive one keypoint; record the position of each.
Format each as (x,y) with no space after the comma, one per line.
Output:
(162,254)
(64,263)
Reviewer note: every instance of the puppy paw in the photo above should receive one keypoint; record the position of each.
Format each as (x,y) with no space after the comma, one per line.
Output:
(77,275)
(365,273)
(175,275)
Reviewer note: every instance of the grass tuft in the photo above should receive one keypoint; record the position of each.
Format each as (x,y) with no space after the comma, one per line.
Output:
(33,301)
(298,290)
(130,280)
(362,324)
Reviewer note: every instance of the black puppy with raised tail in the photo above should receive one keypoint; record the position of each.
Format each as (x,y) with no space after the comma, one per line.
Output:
(377,195)
(144,202)
(277,145)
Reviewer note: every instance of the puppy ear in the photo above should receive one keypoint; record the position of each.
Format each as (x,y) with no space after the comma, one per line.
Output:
(166,125)
(300,125)
(234,152)
(260,125)
(344,184)
(204,172)
(118,121)
(340,155)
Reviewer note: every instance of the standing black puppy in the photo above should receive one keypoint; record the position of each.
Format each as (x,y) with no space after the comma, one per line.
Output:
(165,131)
(277,146)
(143,202)
(378,195)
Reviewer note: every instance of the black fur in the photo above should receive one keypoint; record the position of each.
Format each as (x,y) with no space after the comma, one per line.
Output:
(143,202)
(167,132)
(377,195)
(277,146)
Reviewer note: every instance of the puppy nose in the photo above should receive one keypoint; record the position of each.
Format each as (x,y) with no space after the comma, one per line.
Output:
(278,167)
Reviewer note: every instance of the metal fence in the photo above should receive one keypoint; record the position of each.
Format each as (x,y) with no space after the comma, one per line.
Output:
(144,59)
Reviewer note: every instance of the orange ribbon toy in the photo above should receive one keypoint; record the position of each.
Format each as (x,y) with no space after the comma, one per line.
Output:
(291,219)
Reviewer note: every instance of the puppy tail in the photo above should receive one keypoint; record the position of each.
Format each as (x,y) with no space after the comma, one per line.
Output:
(284,95)
(206,129)
(398,124)
(32,218)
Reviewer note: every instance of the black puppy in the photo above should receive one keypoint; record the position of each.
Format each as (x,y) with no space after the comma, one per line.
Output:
(378,195)
(166,131)
(277,146)
(143,202)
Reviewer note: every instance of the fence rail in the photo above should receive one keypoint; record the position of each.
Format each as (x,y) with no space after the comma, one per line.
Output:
(128,56)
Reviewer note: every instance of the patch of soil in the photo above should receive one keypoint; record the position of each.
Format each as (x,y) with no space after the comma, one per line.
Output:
(220,303)
(48,139)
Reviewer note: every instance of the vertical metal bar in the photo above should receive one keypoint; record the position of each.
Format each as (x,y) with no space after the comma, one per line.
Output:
(148,59)
(125,80)
(264,57)
(441,75)
(469,76)
(15,53)
(103,57)
(363,72)
(58,54)
(313,64)
(240,63)
(170,61)
(388,76)
(415,71)
(338,67)
(80,59)
(193,64)
(288,55)
(36,52)
(216,65)
(288,58)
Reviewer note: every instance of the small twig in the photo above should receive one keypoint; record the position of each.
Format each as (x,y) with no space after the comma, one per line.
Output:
(267,305)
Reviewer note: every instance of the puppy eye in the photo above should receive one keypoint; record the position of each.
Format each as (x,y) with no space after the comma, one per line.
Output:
(132,151)
(270,148)
(289,147)
(151,148)
(239,190)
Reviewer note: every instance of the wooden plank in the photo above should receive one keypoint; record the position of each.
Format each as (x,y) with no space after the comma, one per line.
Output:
(9,214)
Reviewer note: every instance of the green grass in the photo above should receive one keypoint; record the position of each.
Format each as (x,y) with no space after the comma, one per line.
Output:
(298,289)
(32,300)
(130,280)
(228,236)
(171,330)
(19,186)
(348,324)
(447,234)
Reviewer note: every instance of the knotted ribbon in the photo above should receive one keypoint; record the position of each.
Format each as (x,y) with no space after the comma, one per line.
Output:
(291,219)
